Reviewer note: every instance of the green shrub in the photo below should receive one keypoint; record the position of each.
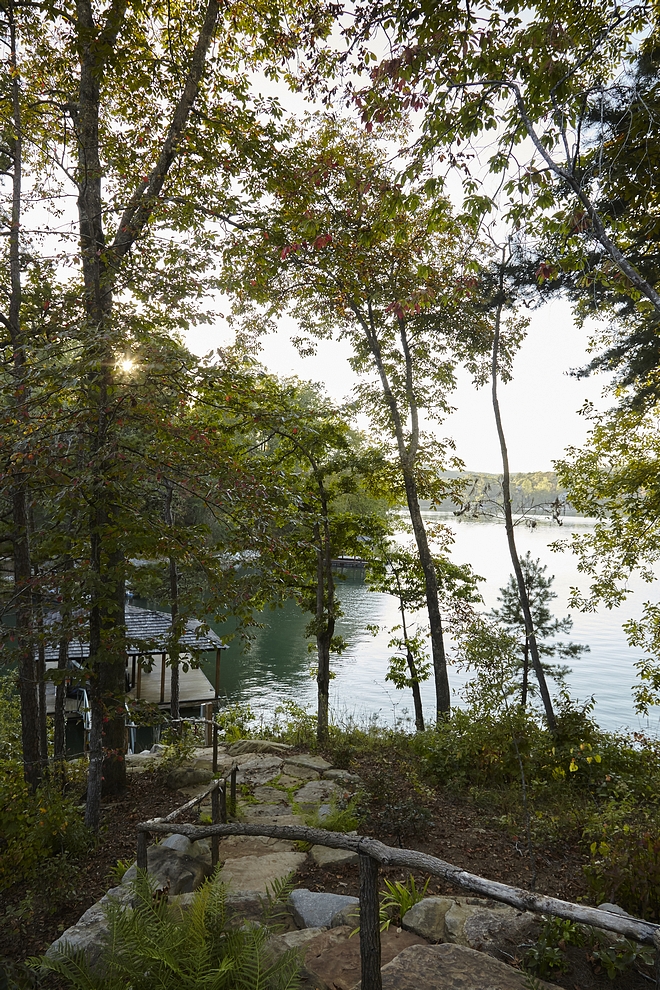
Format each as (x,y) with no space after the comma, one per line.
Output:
(34,826)
(233,722)
(155,945)
(625,868)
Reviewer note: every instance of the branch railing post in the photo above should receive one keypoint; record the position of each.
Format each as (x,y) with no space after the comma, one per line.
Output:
(232,793)
(142,841)
(369,925)
(223,802)
(215,818)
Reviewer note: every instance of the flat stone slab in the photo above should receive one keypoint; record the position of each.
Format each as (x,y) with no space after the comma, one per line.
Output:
(317,792)
(257,873)
(257,770)
(261,812)
(316,910)
(253,845)
(242,746)
(294,772)
(269,794)
(324,856)
(277,819)
(452,967)
(313,762)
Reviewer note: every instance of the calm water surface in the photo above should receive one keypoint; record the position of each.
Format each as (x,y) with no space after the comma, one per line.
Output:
(277,667)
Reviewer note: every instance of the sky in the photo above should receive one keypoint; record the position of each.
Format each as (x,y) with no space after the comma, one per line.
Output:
(540,407)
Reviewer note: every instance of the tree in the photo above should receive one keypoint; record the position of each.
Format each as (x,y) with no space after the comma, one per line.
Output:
(395,569)
(324,507)
(546,626)
(614,479)
(500,301)
(149,156)
(344,248)
(534,81)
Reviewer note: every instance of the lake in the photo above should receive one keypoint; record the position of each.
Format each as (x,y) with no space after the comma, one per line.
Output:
(277,667)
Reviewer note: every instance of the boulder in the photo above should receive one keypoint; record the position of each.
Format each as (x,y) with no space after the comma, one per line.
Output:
(427,918)
(88,934)
(485,925)
(257,873)
(348,915)
(316,792)
(279,944)
(324,856)
(183,777)
(452,967)
(331,958)
(316,910)
(242,746)
(177,872)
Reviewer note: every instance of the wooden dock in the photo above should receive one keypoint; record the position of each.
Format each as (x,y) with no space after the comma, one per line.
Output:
(154,686)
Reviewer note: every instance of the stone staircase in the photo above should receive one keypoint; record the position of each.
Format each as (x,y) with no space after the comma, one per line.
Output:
(445,943)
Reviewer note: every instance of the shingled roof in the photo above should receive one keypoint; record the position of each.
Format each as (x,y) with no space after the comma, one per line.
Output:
(147,632)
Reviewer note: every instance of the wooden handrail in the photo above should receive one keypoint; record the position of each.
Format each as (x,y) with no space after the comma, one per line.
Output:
(524,900)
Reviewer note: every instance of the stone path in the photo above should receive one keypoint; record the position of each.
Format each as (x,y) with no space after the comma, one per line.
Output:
(276,786)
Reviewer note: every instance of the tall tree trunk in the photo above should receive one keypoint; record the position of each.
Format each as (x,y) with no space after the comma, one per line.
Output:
(27,675)
(99,268)
(325,625)
(407,459)
(508,518)
(174,611)
(523,695)
(410,660)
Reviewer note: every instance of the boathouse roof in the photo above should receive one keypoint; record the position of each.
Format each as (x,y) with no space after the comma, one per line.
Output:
(148,632)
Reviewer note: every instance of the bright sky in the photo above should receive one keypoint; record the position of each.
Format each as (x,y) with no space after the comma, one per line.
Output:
(539,407)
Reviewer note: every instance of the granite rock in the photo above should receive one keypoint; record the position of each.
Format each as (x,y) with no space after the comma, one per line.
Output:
(452,967)
(316,910)
(427,918)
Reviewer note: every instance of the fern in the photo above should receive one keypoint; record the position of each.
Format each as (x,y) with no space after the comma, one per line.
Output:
(153,947)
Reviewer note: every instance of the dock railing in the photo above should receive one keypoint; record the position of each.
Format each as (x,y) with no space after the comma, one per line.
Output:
(372,854)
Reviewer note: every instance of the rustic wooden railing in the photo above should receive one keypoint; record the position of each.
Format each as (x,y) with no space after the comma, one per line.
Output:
(371,853)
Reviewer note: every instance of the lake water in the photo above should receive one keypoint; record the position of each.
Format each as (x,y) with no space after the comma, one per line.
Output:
(277,667)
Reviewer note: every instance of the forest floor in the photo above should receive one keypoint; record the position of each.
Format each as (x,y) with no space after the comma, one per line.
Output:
(451,826)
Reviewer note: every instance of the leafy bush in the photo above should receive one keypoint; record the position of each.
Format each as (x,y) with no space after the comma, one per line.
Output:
(233,722)
(10,719)
(34,826)
(180,744)
(155,945)
(625,868)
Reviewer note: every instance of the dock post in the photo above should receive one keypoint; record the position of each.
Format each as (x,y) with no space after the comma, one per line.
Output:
(215,819)
(369,925)
(207,715)
(142,840)
(162,678)
(215,711)
(232,793)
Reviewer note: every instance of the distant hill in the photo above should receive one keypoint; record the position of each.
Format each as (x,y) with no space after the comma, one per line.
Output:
(533,492)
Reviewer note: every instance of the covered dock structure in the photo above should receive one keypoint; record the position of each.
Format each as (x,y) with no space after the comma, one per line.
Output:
(148,675)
